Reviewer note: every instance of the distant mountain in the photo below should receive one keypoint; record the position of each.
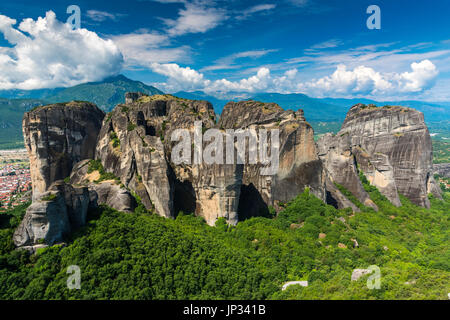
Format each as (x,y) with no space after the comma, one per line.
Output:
(29,94)
(11,113)
(325,114)
(433,111)
(315,109)
(105,94)
(218,104)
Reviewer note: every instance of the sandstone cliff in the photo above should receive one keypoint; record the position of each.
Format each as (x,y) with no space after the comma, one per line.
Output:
(391,145)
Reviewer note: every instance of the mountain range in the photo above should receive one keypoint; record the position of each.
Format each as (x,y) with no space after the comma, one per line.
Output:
(322,113)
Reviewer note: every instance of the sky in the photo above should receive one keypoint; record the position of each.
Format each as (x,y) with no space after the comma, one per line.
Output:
(317,47)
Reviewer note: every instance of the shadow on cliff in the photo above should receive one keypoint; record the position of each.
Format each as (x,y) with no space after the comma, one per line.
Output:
(251,203)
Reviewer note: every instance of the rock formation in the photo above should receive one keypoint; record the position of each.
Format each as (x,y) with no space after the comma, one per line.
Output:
(299,164)
(134,148)
(135,144)
(58,136)
(391,145)
(107,192)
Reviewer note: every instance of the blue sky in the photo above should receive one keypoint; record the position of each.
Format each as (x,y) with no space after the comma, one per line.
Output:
(321,48)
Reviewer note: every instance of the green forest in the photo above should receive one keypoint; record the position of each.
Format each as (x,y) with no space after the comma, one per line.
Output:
(144,256)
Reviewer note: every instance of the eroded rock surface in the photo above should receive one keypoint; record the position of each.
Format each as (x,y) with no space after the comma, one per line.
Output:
(58,136)
(442,169)
(108,192)
(299,164)
(135,144)
(53,215)
(391,145)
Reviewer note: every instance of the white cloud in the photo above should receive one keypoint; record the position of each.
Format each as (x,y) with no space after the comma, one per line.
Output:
(195,19)
(361,80)
(366,81)
(179,78)
(255,9)
(422,77)
(228,62)
(100,16)
(47,53)
(332,43)
(143,48)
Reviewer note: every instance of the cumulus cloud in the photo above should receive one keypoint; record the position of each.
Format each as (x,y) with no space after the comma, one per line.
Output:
(422,77)
(47,53)
(359,81)
(366,81)
(179,78)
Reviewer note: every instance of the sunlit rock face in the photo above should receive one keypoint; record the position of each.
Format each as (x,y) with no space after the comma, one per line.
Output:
(299,165)
(391,145)
(135,144)
(57,137)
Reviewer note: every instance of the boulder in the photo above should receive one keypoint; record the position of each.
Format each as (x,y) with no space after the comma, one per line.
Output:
(358,273)
(56,213)
(291,283)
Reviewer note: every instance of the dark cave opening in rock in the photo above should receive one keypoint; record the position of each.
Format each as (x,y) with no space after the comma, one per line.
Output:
(251,203)
(150,130)
(184,197)
(331,200)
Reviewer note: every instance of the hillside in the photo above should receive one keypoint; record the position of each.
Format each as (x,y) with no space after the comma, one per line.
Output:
(183,232)
(143,256)
(11,114)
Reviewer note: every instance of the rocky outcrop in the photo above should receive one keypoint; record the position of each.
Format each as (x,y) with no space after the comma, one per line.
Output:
(109,192)
(299,164)
(135,144)
(58,136)
(391,145)
(52,216)
(442,169)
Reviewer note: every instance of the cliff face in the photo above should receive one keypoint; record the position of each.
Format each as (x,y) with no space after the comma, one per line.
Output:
(391,145)
(135,144)
(299,164)
(58,136)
